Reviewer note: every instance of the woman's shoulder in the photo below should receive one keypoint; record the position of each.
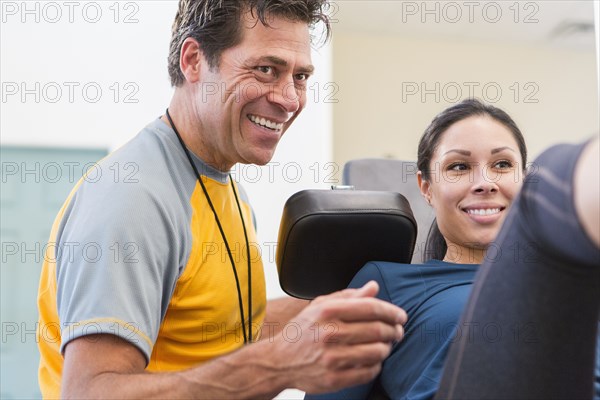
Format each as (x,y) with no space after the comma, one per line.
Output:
(430,268)
(409,280)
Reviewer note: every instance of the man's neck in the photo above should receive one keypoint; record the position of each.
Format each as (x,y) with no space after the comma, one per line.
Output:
(187,125)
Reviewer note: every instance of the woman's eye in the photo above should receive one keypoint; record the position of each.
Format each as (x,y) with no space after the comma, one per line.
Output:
(458,167)
(504,164)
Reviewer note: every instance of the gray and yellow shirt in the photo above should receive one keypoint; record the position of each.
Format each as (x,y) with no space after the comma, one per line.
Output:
(136,252)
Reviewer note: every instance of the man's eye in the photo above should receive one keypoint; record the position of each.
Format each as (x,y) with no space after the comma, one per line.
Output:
(302,77)
(264,69)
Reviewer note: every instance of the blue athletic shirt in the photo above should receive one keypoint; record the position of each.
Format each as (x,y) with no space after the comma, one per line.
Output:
(433,295)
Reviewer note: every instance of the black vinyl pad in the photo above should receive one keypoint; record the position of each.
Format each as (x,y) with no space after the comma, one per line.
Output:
(326,236)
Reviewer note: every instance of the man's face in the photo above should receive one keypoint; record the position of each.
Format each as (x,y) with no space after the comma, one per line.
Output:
(246,104)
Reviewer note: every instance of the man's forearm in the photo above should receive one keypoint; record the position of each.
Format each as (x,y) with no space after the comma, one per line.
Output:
(315,359)
(246,373)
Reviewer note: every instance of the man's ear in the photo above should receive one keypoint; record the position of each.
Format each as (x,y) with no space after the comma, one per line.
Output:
(424,187)
(190,60)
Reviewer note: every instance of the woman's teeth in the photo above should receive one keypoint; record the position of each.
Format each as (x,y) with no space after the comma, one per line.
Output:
(486,211)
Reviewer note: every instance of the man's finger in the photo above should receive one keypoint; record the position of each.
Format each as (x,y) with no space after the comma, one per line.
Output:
(362,309)
(362,333)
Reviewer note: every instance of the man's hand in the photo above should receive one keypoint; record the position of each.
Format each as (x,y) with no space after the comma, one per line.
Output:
(339,340)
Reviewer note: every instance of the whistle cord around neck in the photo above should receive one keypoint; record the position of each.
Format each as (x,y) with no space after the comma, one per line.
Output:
(247,336)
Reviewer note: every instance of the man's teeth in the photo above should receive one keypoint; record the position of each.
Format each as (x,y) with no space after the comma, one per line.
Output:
(265,122)
(487,211)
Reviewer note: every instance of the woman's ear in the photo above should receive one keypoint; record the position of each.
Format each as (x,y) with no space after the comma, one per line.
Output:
(424,187)
(190,60)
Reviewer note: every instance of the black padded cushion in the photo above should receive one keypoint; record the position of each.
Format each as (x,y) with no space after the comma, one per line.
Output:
(326,236)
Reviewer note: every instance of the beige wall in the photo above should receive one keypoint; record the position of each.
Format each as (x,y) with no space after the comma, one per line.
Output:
(377,116)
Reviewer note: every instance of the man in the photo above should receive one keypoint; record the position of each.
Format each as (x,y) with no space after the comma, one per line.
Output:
(164,306)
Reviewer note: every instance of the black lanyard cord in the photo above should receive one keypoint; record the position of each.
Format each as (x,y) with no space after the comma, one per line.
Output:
(248,260)
(247,336)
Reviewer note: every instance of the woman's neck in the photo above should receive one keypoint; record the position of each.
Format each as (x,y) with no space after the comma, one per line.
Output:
(464,255)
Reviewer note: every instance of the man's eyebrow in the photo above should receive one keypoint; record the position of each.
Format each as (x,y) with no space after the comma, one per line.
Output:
(499,149)
(309,69)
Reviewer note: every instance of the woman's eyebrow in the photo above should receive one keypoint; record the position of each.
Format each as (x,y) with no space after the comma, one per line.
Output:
(462,152)
(468,153)
(499,149)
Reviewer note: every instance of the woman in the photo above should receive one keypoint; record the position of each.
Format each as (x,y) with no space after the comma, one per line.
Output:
(471,161)
(542,290)
(529,329)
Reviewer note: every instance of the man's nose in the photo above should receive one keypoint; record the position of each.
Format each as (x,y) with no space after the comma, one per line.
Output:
(286,95)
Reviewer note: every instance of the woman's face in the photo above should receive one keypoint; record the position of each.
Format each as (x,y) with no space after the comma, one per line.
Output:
(475,173)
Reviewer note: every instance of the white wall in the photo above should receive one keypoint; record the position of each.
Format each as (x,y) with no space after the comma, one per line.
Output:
(128,58)
(597,31)
(391,86)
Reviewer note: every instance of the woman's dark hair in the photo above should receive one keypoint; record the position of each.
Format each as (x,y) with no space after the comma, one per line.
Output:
(216,24)
(435,247)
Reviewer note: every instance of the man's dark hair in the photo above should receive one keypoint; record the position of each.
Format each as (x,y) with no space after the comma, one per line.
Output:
(216,24)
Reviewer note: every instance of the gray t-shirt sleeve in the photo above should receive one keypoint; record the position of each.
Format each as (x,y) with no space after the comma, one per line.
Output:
(117,261)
